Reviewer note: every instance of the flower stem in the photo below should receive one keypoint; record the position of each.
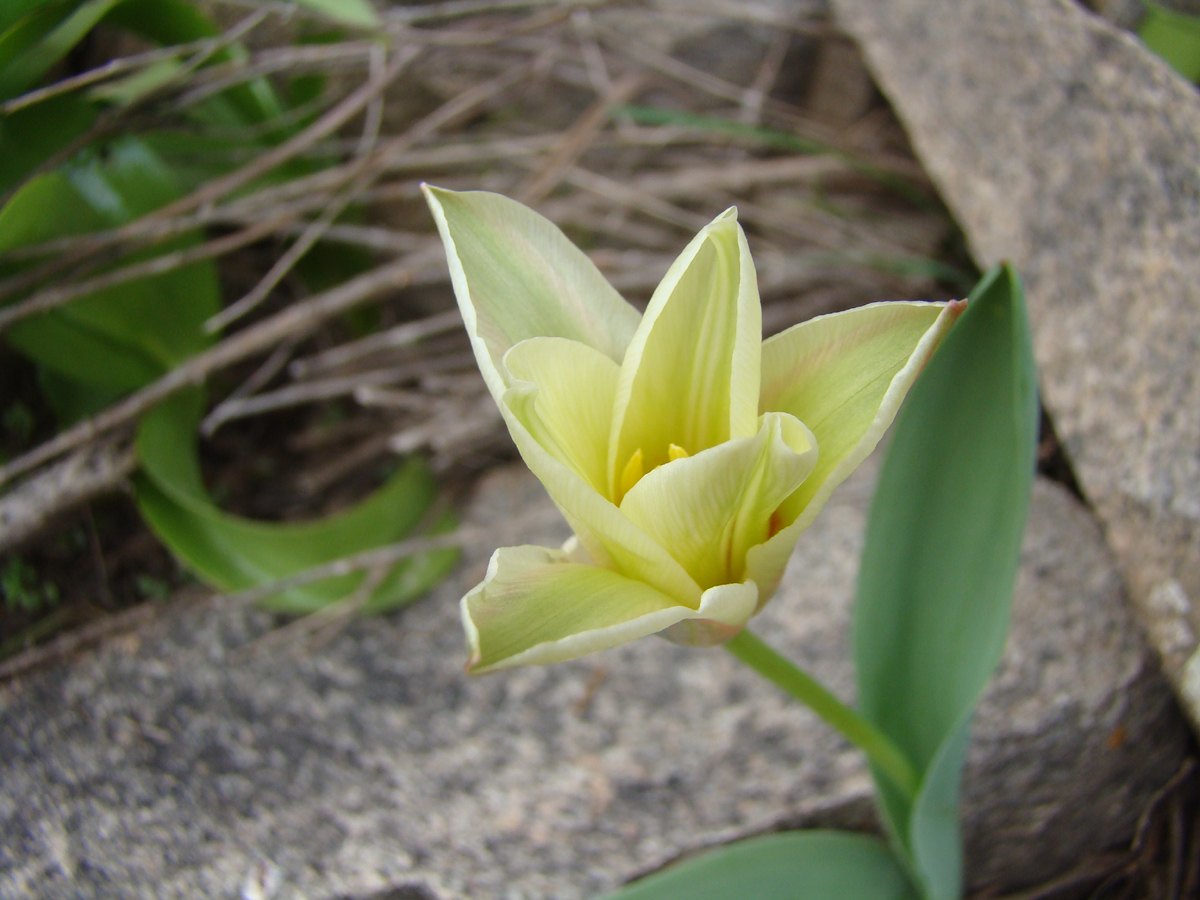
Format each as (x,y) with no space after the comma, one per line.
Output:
(880,749)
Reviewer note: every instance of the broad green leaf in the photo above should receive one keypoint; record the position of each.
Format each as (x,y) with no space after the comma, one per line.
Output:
(233,553)
(128,90)
(169,22)
(73,399)
(45,207)
(30,136)
(795,865)
(1173,35)
(127,335)
(79,352)
(163,315)
(12,11)
(942,549)
(351,12)
(49,206)
(31,47)
(195,158)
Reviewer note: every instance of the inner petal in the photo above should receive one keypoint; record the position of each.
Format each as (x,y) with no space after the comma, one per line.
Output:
(690,376)
(707,510)
(563,393)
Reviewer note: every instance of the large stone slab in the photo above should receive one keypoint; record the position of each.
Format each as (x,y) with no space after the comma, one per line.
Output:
(174,763)
(1061,143)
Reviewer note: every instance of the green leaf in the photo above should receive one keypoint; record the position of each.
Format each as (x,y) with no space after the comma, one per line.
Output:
(31,47)
(942,548)
(1173,35)
(128,90)
(76,351)
(14,10)
(178,22)
(797,865)
(195,157)
(45,207)
(127,335)
(73,399)
(351,12)
(30,136)
(233,553)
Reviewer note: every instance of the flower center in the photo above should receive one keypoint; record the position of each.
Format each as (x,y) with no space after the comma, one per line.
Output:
(636,468)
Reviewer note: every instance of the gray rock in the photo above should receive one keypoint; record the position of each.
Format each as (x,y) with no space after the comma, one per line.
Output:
(1061,143)
(177,762)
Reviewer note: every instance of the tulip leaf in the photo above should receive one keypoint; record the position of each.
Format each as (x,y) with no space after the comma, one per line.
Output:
(30,136)
(233,553)
(33,44)
(169,22)
(797,865)
(104,344)
(14,10)
(942,549)
(125,336)
(1174,36)
(349,12)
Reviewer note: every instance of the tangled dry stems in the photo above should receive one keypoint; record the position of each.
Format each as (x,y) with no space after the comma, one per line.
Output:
(500,69)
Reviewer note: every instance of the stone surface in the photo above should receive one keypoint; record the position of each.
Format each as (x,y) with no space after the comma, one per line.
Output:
(178,762)
(1062,144)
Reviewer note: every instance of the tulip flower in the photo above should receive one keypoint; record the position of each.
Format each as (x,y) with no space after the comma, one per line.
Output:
(686,453)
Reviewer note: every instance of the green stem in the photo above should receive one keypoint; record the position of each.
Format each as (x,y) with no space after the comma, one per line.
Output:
(879,748)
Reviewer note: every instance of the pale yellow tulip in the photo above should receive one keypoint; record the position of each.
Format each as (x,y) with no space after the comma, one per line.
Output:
(686,453)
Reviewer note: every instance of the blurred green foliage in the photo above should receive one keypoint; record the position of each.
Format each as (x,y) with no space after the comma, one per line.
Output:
(1174,36)
(65,175)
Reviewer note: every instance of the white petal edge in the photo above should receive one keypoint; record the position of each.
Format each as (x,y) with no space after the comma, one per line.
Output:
(727,605)
(585,306)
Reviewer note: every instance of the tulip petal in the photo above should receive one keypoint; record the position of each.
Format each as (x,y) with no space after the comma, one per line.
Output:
(608,537)
(724,611)
(563,393)
(536,606)
(844,375)
(690,376)
(708,510)
(517,276)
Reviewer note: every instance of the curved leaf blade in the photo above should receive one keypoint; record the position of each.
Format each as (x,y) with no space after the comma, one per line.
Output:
(127,335)
(349,12)
(940,561)
(32,45)
(797,865)
(234,553)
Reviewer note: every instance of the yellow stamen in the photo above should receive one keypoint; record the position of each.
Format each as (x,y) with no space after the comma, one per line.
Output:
(674,452)
(632,473)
